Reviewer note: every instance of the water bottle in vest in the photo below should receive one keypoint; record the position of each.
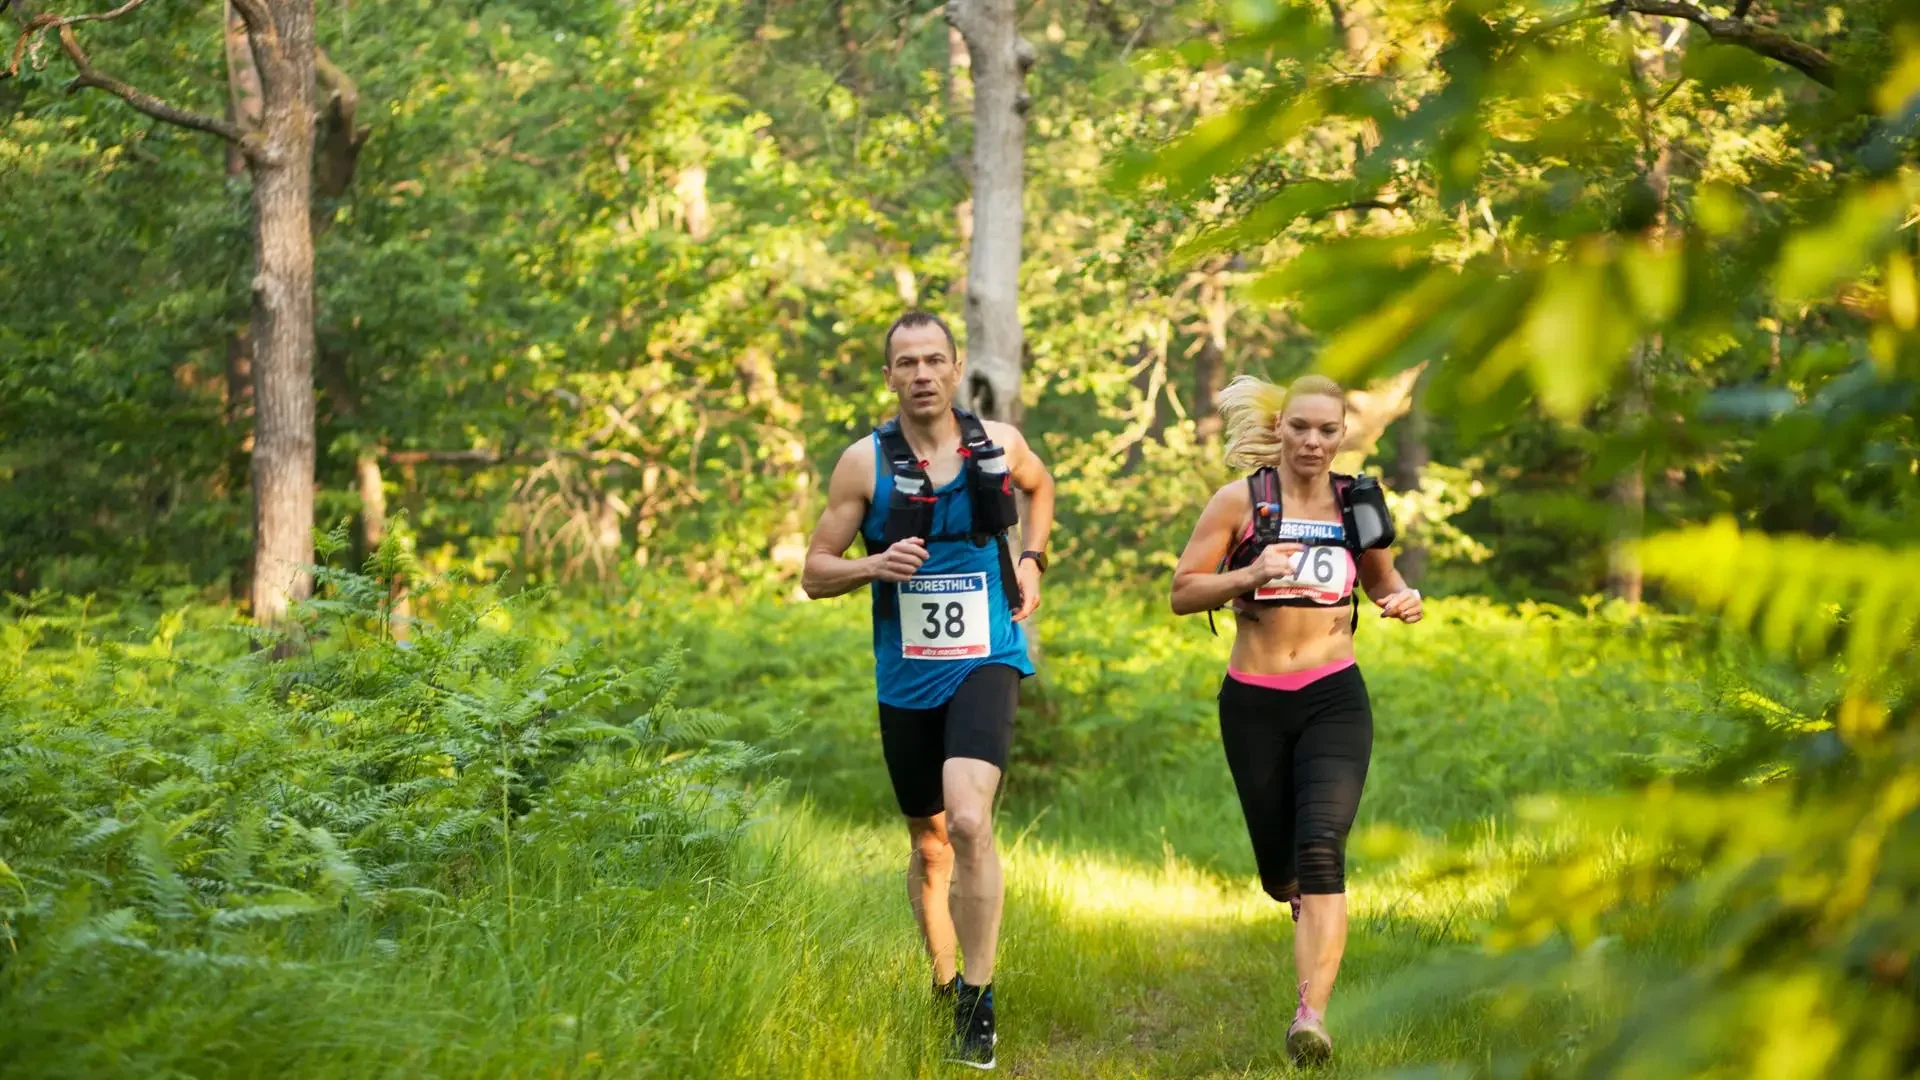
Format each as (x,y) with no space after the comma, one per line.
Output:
(1372,523)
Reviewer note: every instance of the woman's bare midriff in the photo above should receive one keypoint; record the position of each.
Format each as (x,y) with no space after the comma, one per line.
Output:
(1283,640)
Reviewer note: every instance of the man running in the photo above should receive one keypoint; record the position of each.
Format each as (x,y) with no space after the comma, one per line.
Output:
(931,494)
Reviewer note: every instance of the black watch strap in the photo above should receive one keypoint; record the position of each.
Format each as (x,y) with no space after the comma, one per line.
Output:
(1039,559)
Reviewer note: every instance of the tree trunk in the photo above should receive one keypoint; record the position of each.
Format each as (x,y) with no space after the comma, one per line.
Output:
(997,58)
(1370,412)
(1411,455)
(1210,364)
(691,190)
(1149,385)
(282,331)
(243,110)
(243,87)
(999,61)
(959,86)
(1625,581)
(373,532)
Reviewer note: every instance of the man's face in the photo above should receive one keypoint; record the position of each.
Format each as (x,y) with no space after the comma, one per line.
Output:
(923,371)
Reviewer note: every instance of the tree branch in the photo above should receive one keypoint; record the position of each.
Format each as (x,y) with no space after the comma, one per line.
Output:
(100,16)
(1772,44)
(496,457)
(36,25)
(255,14)
(142,101)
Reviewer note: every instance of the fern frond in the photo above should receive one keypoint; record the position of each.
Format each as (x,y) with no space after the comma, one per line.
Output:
(1808,595)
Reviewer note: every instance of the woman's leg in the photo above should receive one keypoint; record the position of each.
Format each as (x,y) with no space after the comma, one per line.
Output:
(1255,732)
(1329,770)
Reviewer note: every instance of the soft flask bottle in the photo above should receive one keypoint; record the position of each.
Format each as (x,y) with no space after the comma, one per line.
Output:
(1372,523)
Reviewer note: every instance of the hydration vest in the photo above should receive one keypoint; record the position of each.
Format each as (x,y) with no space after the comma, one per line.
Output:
(910,508)
(1264,486)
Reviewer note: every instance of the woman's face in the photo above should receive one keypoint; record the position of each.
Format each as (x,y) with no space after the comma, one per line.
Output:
(1310,431)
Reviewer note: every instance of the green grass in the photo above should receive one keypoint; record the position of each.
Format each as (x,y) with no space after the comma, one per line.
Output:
(1136,942)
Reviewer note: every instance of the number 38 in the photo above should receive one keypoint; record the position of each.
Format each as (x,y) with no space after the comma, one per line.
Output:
(955,625)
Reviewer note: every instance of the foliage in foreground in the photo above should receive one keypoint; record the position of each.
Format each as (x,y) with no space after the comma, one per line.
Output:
(1793,857)
(173,813)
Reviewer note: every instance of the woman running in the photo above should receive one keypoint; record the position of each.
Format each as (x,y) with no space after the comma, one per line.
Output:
(1286,547)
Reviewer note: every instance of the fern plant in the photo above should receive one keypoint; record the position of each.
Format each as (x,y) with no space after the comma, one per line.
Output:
(178,801)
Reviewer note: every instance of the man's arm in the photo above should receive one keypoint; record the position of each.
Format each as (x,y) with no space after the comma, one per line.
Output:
(1030,475)
(828,572)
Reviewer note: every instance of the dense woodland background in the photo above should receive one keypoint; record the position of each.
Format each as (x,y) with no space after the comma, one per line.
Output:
(589,296)
(601,285)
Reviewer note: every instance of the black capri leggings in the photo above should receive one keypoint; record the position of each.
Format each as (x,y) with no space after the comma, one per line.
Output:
(1299,759)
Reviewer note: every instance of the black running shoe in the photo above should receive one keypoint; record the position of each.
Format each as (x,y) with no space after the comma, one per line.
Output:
(973,1035)
(946,993)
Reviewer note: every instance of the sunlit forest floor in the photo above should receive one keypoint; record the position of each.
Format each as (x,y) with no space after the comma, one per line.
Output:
(1136,941)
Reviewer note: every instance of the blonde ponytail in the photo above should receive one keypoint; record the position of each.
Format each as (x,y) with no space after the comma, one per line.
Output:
(1251,407)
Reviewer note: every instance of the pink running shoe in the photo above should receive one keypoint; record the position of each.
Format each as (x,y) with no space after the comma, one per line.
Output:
(1307,1040)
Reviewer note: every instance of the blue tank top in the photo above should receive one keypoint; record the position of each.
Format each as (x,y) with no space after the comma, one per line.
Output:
(934,601)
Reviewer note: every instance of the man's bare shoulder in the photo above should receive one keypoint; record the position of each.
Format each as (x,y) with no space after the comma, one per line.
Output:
(854,472)
(1003,434)
(858,452)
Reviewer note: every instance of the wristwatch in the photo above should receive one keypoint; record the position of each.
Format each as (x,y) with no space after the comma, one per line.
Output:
(1039,559)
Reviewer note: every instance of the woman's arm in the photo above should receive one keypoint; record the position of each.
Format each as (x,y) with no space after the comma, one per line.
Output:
(1387,588)
(1197,584)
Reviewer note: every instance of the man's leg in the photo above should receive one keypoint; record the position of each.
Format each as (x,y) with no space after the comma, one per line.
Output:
(929,876)
(969,785)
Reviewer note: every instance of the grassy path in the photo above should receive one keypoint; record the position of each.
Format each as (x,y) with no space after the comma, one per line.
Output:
(1110,967)
(1136,942)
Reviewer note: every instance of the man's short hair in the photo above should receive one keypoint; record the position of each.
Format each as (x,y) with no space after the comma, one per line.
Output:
(918,318)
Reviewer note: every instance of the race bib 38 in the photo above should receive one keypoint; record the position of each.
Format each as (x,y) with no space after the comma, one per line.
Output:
(945,617)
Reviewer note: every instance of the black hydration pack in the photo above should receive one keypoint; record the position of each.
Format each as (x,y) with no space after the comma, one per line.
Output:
(1365,524)
(910,507)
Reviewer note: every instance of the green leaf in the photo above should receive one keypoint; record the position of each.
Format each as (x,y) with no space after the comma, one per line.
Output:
(1576,337)
(1816,260)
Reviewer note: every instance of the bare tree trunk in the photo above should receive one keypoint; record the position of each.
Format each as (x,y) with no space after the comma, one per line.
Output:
(373,532)
(691,189)
(959,91)
(1149,384)
(243,111)
(1624,578)
(999,60)
(243,87)
(281,34)
(906,285)
(1210,364)
(1370,411)
(1411,455)
(959,87)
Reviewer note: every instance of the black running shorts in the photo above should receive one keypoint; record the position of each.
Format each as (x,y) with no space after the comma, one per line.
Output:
(976,722)
(1299,760)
